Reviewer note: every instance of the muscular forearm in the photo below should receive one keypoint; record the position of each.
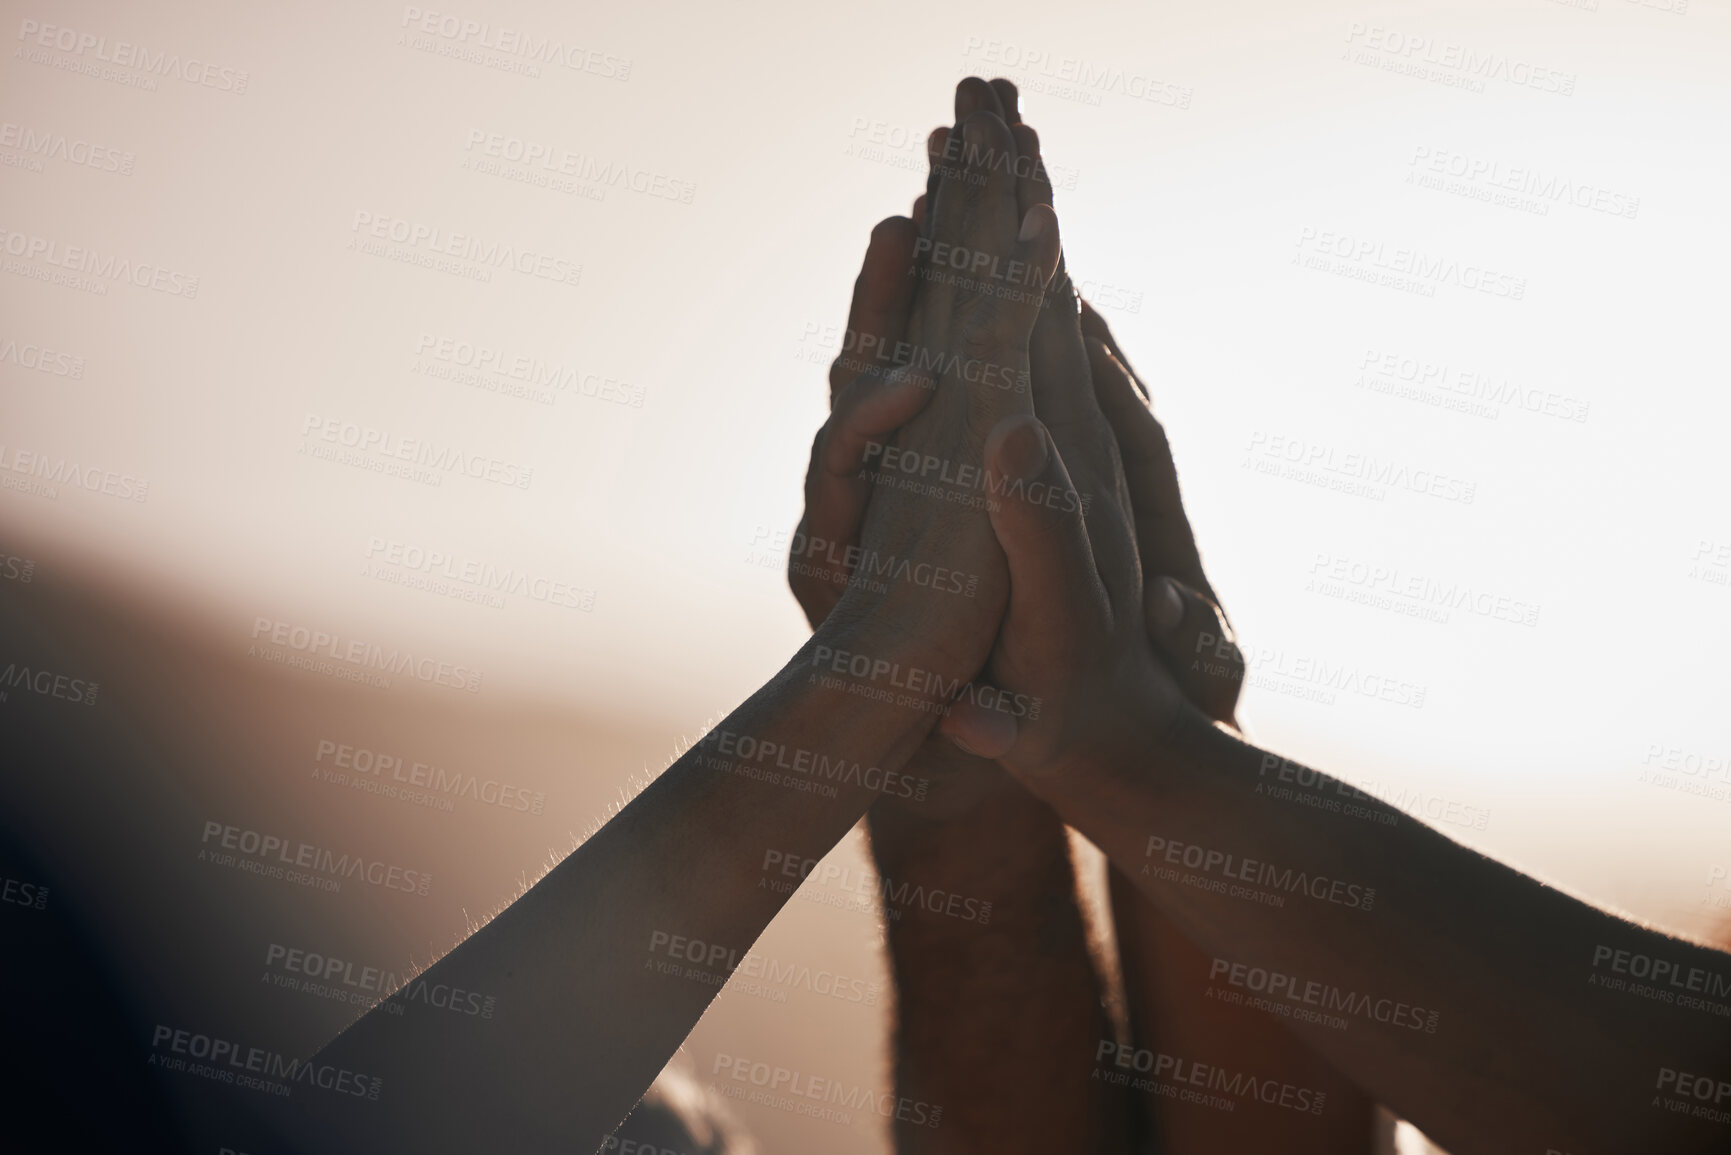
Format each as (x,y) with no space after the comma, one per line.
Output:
(583,1019)
(1461,993)
(998,1003)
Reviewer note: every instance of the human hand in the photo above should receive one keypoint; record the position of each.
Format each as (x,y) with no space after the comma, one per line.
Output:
(982,263)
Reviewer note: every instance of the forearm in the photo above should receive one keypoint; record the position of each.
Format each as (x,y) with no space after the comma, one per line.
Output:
(1301,1104)
(583,1019)
(1528,1050)
(998,1003)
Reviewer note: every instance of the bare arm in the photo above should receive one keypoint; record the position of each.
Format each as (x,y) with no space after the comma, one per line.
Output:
(998,1006)
(1477,997)
(1531,1048)
(581,1023)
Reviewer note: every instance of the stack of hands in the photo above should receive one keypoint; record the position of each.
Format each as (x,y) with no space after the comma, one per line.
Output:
(1009,608)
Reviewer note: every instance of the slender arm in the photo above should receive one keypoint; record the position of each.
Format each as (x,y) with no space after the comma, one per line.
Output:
(1495,1012)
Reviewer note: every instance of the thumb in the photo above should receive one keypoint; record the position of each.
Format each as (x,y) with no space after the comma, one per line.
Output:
(976,730)
(1192,635)
(1037,516)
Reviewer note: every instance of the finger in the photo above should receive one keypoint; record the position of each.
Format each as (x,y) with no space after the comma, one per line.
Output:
(937,150)
(1191,632)
(919,213)
(1164,539)
(1094,325)
(881,298)
(991,214)
(945,202)
(1033,184)
(990,99)
(976,730)
(1038,523)
(1064,399)
(838,484)
(1056,355)
(1009,101)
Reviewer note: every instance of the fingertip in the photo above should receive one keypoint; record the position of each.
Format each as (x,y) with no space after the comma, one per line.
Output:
(1165,606)
(1093,324)
(977,731)
(1009,99)
(888,255)
(972,95)
(1027,140)
(937,140)
(1017,447)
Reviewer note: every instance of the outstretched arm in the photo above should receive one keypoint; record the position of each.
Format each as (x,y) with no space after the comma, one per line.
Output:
(582,1019)
(1480,1003)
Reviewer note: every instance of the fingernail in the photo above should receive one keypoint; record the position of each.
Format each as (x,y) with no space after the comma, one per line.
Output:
(963,747)
(1025,451)
(1168,607)
(1032,225)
